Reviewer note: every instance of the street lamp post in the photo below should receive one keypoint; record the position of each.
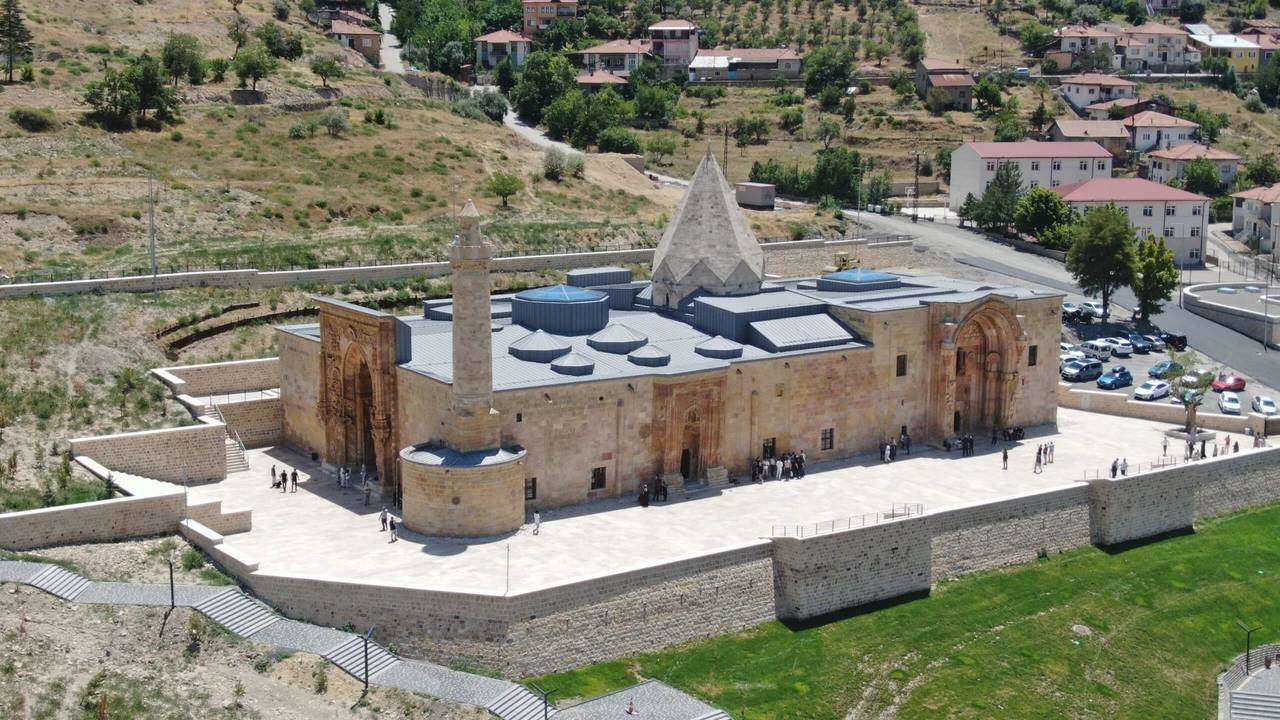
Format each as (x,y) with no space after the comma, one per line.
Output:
(1248,644)
(857,196)
(173,558)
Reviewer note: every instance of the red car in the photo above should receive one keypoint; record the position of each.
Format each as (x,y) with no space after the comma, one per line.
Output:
(1234,383)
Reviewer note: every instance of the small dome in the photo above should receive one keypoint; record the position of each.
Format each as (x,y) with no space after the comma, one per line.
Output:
(560,294)
(573,364)
(860,275)
(719,348)
(561,309)
(617,339)
(540,347)
(650,356)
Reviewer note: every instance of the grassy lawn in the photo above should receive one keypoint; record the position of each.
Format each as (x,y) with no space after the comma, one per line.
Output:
(1160,618)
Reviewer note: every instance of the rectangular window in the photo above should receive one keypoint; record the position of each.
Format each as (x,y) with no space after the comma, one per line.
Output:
(1170,210)
(828,439)
(1033,354)
(1057,164)
(519,417)
(1084,164)
(902,365)
(1035,165)
(1055,183)
(1035,183)
(531,488)
(991,165)
(1168,232)
(1195,211)
(1194,253)
(770,449)
(1102,165)
(597,478)
(1195,232)
(1148,211)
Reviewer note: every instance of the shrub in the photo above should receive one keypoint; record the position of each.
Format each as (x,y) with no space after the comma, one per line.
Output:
(575,165)
(553,164)
(192,559)
(280,9)
(303,129)
(1254,104)
(480,105)
(176,136)
(33,119)
(28,73)
(217,68)
(335,121)
(619,140)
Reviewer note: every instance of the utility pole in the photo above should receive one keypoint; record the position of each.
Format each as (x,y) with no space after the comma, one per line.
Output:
(366,658)
(915,216)
(857,196)
(726,150)
(151,201)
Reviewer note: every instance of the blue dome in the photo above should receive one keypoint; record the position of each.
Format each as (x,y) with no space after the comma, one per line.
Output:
(560,294)
(860,275)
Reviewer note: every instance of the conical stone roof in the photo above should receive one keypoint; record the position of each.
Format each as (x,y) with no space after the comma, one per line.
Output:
(708,244)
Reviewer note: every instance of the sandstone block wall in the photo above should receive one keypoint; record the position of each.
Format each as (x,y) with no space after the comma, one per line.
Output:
(300,426)
(227,377)
(1141,506)
(160,454)
(462,501)
(1230,483)
(258,422)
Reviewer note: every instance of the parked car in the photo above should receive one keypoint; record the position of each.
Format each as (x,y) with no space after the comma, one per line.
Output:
(1066,359)
(1119,346)
(1139,343)
(1094,309)
(1174,340)
(1228,382)
(1022,73)
(1082,370)
(1070,312)
(1116,377)
(1165,369)
(1097,350)
(1196,376)
(1263,404)
(1229,403)
(1186,397)
(1157,344)
(1151,390)
(1069,349)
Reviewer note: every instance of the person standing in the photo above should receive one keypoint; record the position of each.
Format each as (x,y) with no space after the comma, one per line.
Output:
(1124,467)
(394,534)
(284,482)
(1115,465)
(295,481)
(1164,446)
(368,492)
(995,433)
(1052,451)
(1004,456)
(537,522)
(383,516)
(1039,460)
(273,476)
(906,443)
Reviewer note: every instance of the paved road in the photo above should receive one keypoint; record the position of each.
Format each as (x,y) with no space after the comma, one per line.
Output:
(390,45)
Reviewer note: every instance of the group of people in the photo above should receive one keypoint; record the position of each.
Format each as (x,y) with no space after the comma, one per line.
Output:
(889,450)
(1120,466)
(1044,456)
(964,442)
(283,480)
(659,493)
(388,524)
(786,467)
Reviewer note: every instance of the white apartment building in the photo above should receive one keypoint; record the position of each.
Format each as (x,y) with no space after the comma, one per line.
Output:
(1255,217)
(1166,165)
(1164,48)
(1178,216)
(1157,131)
(1042,164)
(1085,90)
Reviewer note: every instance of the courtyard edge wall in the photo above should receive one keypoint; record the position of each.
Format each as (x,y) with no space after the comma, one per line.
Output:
(223,377)
(194,453)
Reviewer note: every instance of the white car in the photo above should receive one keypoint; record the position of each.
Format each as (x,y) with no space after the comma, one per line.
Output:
(1229,403)
(1197,376)
(1069,349)
(1264,405)
(1094,309)
(1151,390)
(1119,346)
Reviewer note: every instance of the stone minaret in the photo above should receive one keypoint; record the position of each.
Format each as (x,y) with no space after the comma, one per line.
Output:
(472,424)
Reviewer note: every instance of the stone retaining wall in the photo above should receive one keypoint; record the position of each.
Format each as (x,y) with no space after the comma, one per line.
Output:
(218,378)
(160,454)
(1198,299)
(257,422)
(1114,403)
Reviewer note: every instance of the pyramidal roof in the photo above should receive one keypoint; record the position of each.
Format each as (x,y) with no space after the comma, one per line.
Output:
(709,243)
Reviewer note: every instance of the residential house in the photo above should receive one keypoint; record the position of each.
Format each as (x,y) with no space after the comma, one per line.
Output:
(497,46)
(746,64)
(1166,165)
(1042,164)
(361,38)
(1178,216)
(1165,6)
(1267,45)
(1130,50)
(675,42)
(337,12)
(1164,49)
(1076,40)
(1128,108)
(1085,90)
(594,82)
(1241,55)
(1266,27)
(1255,217)
(1150,130)
(619,57)
(1110,134)
(539,14)
(954,78)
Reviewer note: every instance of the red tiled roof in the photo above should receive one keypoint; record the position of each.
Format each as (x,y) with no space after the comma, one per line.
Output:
(550,2)
(1269,194)
(1032,149)
(952,80)
(1262,40)
(1092,128)
(501,36)
(1155,29)
(1123,190)
(342,27)
(1129,42)
(1263,24)
(600,77)
(939,64)
(1149,118)
(1193,151)
(1100,80)
(614,47)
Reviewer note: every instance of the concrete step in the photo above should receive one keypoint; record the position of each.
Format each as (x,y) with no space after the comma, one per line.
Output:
(717,477)
(1254,706)
(519,703)
(236,461)
(60,582)
(238,613)
(350,657)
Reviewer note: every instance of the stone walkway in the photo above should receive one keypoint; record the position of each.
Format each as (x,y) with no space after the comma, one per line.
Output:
(321,531)
(250,619)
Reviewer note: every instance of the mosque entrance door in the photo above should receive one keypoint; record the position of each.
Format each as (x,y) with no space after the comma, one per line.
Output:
(689,460)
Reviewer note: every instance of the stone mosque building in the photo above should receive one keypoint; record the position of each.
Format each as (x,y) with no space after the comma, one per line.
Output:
(488,407)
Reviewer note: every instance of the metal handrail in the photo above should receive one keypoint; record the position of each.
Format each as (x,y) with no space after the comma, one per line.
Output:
(239,442)
(897,510)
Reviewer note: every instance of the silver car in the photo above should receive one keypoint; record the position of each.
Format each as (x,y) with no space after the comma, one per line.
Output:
(1157,345)
(1264,405)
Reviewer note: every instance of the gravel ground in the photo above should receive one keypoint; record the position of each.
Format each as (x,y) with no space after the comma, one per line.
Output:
(139,561)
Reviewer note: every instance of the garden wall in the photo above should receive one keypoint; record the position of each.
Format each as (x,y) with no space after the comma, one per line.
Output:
(161,454)
(218,378)
(1114,403)
(1251,323)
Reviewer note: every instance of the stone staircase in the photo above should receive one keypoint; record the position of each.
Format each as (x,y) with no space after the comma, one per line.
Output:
(238,612)
(717,477)
(60,583)
(519,703)
(1254,706)
(236,460)
(350,657)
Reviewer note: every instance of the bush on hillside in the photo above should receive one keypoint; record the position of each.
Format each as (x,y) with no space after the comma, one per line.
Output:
(34,119)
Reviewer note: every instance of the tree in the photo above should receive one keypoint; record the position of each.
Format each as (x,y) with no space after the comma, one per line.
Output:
(281,43)
(181,56)
(848,110)
(829,98)
(253,63)
(1192,11)
(986,95)
(706,93)
(1040,116)
(111,98)
(829,131)
(791,119)
(942,162)
(1115,112)
(546,77)
(150,86)
(238,32)
(1189,389)
(1267,81)
(280,9)
(1155,276)
(335,121)
(1262,171)
(15,38)
(504,185)
(654,103)
(327,68)
(561,117)
(1034,35)
(938,100)
(1134,12)
(661,145)
(1007,127)
(1102,254)
(605,109)
(1039,210)
(505,75)
(827,65)
(999,205)
(561,34)
(619,140)
(1201,176)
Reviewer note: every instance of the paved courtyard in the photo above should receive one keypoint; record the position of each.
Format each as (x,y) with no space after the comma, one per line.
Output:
(319,530)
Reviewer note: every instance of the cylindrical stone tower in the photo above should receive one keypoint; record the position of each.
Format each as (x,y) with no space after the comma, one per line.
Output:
(473,424)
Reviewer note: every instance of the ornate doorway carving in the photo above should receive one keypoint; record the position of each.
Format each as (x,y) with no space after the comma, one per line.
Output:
(981,385)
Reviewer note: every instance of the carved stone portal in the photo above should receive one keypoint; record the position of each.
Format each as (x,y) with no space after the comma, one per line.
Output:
(688,427)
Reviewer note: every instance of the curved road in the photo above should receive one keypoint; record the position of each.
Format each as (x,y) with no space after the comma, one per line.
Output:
(390,45)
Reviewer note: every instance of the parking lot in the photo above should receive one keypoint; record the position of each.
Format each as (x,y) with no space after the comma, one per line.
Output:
(1139,363)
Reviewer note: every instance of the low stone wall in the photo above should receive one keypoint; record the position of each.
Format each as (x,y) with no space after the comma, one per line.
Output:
(161,454)
(1033,248)
(1113,403)
(225,377)
(1198,299)
(1231,679)
(257,422)
(133,283)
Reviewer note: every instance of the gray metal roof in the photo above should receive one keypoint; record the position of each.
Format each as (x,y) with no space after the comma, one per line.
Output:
(439,455)
(800,333)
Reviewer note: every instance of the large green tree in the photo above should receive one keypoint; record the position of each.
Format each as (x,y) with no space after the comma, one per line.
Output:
(1102,254)
(546,77)
(999,204)
(1155,276)
(253,63)
(151,86)
(986,95)
(1201,176)
(15,38)
(825,66)
(182,56)
(1039,210)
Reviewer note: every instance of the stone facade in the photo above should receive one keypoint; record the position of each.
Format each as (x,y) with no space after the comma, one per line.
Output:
(462,501)
(256,422)
(300,426)
(175,455)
